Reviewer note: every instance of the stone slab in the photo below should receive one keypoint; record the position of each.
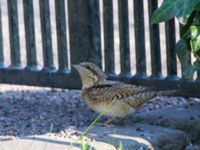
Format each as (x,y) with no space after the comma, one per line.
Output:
(138,136)
(50,142)
(185,118)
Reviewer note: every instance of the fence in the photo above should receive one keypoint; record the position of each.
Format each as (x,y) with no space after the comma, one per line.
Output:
(82,35)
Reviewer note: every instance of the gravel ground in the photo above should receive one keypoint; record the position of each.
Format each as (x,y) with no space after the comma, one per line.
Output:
(25,112)
(29,110)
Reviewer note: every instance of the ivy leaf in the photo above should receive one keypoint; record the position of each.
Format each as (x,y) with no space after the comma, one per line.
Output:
(198,6)
(170,8)
(195,40)
(196,65)
(189,72)
(165,12)
(183,55)
(184,13)
(186,27)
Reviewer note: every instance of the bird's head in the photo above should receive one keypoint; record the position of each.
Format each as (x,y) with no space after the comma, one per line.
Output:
(90,74)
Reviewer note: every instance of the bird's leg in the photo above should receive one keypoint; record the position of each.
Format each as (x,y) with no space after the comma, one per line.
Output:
(119,121)
(110,120)
(114,121)
(107,123)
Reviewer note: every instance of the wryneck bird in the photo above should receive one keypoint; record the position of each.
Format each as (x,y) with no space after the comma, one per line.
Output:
(98,92)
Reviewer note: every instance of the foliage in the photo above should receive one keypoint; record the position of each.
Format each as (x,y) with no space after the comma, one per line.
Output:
(188,14)
(84,144)
(120,145)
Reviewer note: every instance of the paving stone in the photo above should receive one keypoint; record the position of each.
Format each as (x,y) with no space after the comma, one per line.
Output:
(186,118)
(136,137)
(141,136)
(46,142)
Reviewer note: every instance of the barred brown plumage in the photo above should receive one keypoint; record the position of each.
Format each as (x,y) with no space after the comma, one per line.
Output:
(98,92)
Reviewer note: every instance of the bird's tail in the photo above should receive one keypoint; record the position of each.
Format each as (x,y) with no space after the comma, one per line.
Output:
(167,93)
(143,97)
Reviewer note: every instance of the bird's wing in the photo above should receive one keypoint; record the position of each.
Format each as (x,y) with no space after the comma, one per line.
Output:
(114,91)
(133,95)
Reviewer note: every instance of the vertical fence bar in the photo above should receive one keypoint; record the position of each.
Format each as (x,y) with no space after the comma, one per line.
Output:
(14,33)
(154,41)
(170,46)
(46,34)
(84,31)
(61,34)
(30,34)
(108,36)
(94,19)
(139,38)
(124,36)
(1,41)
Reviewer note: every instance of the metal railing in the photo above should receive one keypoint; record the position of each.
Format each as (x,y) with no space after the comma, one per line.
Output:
(90,39)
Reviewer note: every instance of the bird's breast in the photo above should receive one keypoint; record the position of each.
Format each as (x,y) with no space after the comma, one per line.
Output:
(113,109)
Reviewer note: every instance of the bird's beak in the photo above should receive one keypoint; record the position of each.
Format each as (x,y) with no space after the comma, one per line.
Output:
(78,68)
(75,66)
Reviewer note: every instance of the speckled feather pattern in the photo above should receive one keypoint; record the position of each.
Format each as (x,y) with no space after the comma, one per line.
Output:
(125,98)
(128,98)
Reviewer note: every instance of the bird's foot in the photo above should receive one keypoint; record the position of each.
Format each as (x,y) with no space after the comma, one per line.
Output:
(102,124)
(111,122)
(107,123)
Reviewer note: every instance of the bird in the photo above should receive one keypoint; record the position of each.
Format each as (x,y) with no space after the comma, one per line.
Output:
(120,99)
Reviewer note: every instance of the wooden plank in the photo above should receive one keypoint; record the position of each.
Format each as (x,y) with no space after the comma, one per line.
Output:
(139,38)
(46,35)
(14,33)
(108,36)
(84,31)
(61,35)
(30,34)
(124,36)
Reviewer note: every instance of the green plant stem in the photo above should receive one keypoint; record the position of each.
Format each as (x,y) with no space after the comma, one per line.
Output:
(94,122)
(96,119)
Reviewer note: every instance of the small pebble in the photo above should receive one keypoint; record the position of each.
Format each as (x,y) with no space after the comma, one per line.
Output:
(191,118)
(139,129)
(6,138)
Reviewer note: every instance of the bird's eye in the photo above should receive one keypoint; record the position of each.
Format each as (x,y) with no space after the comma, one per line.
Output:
(87,67)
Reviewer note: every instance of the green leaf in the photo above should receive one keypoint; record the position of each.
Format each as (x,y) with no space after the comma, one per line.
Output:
(189,72)
(198,6)
(186,27)
(183,55)
(196,65)
(187,7)
(194,31)
(195,40)
(171,8)
(196,44)
(165,12)
(120,145)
